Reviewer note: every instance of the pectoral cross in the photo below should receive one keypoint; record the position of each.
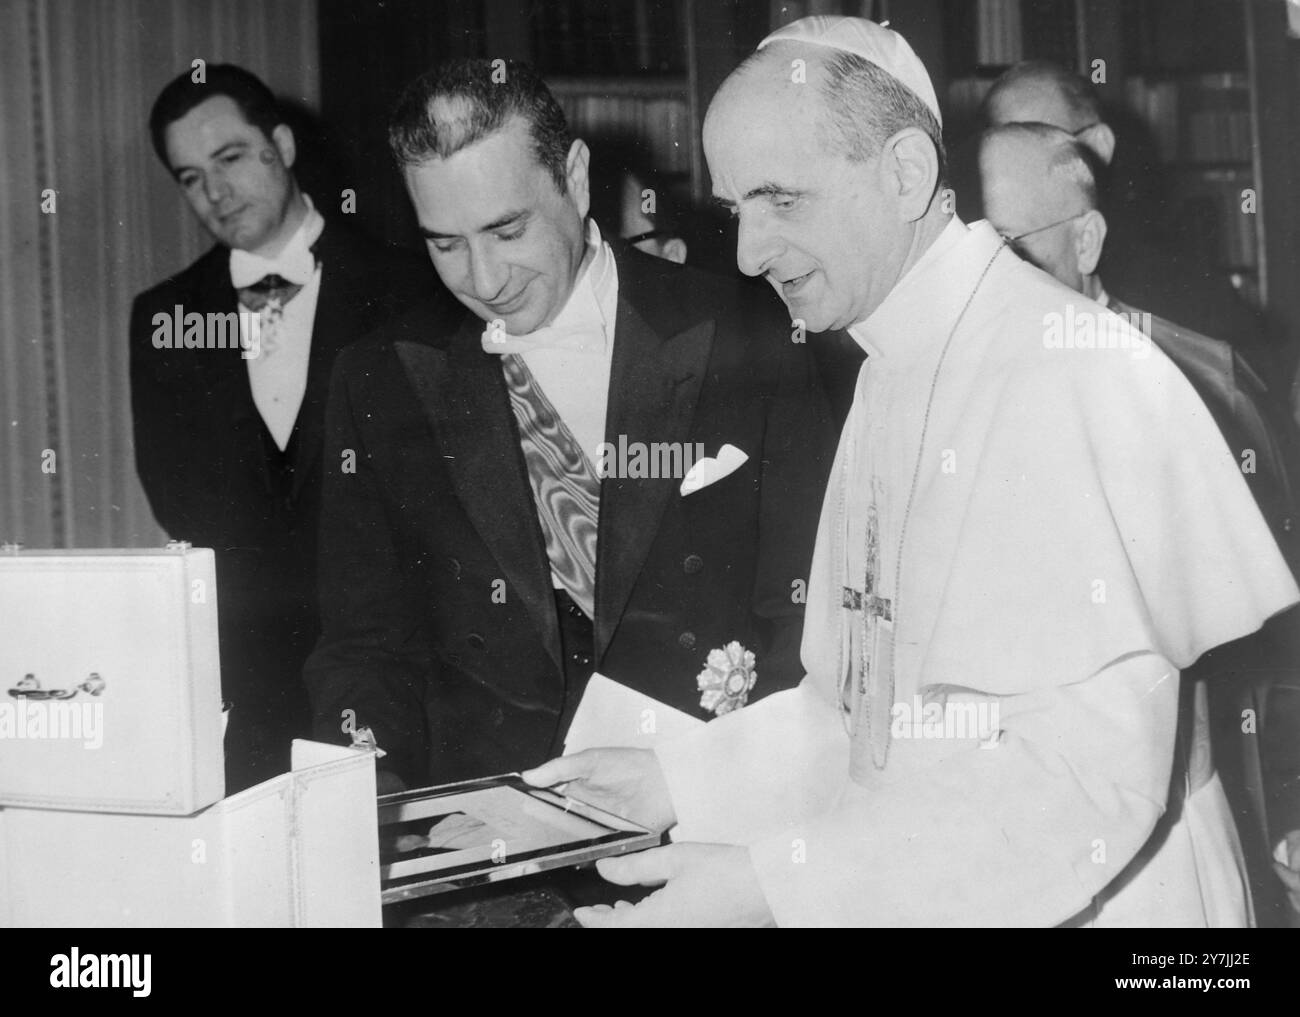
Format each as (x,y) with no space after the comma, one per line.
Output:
(872,606)
(870,652)
(857,600)
(868,601)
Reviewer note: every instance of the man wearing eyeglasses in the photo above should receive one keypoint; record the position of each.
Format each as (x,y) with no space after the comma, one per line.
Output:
(1007,529)
(1040,193)
(1157,272)
(649,218)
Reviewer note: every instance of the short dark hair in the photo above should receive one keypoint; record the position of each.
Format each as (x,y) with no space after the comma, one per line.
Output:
(866,105)
(461,102)
(183,93)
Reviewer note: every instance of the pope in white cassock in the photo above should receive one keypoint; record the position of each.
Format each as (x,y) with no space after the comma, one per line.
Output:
(1032,525)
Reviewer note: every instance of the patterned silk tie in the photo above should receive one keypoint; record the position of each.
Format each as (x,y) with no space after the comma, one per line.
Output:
(267,298)
(565,486)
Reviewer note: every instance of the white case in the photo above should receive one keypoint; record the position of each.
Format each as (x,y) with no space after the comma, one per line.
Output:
(145,623)
(300,850)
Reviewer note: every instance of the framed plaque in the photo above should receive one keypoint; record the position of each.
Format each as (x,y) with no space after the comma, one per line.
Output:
(482,831)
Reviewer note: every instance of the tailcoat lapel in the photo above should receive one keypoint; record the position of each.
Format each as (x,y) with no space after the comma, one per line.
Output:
(225,377)
(655,380)
(464,395)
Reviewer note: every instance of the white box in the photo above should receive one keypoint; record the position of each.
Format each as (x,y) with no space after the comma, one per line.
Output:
(129,637)
(301,850)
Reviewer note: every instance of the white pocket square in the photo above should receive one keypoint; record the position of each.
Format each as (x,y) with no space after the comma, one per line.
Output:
(711,469)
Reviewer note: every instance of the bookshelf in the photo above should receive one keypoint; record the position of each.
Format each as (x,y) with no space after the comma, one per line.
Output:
(622,73)
(1274,67)
(643,73)
(1191,73)
(1179,71)
(1188,80)
(653,113)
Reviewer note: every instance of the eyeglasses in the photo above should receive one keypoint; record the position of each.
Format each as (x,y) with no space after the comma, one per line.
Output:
(647,235)
(1014,242)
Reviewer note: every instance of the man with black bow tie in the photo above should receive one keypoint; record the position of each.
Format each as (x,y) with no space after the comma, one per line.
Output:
(228,434)
(605,462)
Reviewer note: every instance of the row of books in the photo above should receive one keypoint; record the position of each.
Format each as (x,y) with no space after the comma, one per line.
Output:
(1201,127)
(598,37)
(1217,205)
(964,98)
(1200,119)
(659,124)
(998,36)
(990,35)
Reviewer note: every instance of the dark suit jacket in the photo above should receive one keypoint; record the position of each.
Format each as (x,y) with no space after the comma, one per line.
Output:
(215,478)
(439,516)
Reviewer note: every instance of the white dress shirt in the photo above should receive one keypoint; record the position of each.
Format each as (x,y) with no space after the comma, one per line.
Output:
(277,373)
(570,358)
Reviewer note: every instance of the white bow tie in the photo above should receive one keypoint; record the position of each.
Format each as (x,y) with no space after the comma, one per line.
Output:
(580,324)
(582,332)
(501,343)
(295,264)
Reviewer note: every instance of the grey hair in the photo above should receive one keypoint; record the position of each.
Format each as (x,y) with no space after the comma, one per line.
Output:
(864,106)
(1068,157)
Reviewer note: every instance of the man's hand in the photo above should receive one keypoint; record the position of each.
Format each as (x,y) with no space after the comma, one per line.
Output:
(1290,872)
(388,783)
(626,782)
(706,886)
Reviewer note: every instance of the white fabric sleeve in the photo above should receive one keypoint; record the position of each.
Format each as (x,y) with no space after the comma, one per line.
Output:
(1021,834)
(779,761)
